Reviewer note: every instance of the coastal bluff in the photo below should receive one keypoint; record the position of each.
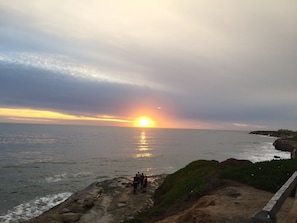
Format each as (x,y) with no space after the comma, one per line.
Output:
(204,191)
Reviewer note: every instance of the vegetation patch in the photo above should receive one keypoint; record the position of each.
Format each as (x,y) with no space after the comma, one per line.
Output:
(268,175)
(293,138)
(189,182)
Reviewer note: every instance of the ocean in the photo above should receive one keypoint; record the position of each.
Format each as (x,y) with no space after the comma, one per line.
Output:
(42,165)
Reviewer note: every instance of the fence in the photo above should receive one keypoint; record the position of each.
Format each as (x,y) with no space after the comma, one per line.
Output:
(268,213)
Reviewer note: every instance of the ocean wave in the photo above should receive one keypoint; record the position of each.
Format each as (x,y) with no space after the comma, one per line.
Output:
(56,178)
(66,176)
(263,151)
(25,139)
(50,162)
(83,174)
(33,208)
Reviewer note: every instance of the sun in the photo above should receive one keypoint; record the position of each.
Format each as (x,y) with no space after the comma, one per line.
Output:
(144,122)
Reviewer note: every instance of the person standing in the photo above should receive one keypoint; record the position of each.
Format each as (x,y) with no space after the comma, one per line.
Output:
(144,184)
(141,180)
(135,182)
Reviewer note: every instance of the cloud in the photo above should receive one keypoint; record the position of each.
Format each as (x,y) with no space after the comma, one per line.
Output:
(224,62)
(26,86)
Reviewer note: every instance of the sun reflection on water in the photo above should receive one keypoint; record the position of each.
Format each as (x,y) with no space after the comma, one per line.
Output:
(143,149)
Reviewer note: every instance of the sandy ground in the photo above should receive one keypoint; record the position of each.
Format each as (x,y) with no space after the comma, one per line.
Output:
(234,203)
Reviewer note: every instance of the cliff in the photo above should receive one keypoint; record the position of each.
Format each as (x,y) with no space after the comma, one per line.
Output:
(203,191)
(285,144)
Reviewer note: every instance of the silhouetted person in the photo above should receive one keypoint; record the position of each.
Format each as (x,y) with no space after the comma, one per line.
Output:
(144,185)
(135,182)
(141,180)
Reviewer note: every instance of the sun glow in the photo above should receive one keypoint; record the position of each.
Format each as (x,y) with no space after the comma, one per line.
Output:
(144,122)
(44,116)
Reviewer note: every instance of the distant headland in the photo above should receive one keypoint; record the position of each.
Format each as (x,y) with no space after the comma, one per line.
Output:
(281,133)
(287,140)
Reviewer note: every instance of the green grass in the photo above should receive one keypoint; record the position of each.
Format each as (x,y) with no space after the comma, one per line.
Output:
(268,176)
(293,138)
(188,182)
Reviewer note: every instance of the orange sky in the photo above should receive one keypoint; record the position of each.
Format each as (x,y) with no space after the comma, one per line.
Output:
(42,116)
(157,119)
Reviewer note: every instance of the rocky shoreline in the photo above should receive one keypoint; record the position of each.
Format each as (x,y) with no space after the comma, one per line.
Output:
(113,201)
(103,202)
(284,141)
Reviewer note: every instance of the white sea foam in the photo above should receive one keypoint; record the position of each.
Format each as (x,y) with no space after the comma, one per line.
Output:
(33,208)
(65,176)
(56,178)
(258,152)
(83,174)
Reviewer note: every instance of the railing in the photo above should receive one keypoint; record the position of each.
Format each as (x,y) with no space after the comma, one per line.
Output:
(268,213)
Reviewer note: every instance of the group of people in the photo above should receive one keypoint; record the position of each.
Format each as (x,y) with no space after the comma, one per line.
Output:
(140,180)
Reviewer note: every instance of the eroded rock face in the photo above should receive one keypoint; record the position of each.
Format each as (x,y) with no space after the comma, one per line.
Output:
(285,145)
(110,201)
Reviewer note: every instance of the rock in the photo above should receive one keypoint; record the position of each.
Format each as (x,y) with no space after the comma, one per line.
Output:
(73,208)
(65,210)
(285,145)
(81,201)
(70,217)
(110,201)
(121,204)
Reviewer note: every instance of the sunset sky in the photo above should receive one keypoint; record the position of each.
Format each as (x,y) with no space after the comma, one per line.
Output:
(206,64)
